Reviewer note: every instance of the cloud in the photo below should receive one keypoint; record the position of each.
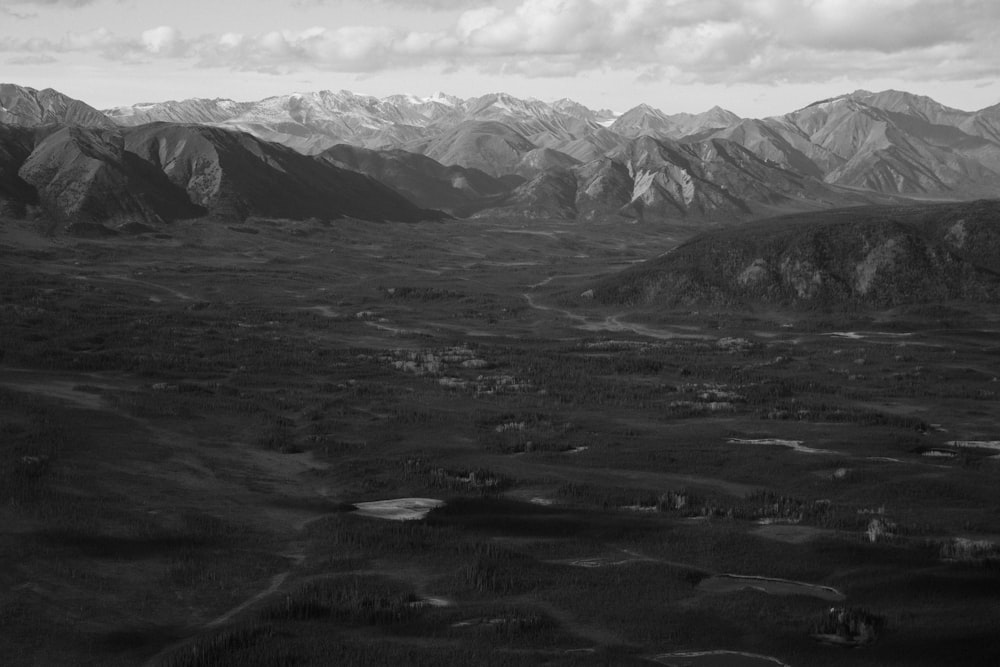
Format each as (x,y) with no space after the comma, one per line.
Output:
(689,41)
(886,26)
(55,3)
(40,59)
(409,4)
(163,40)
(14,14)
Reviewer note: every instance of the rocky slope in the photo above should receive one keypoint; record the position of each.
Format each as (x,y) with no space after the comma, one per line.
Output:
(645,120)
(233,174)
(488,146)
(85,175)
(153,174)
(27,107)
(656,180)
(889,142)
(526,157)
(874,256)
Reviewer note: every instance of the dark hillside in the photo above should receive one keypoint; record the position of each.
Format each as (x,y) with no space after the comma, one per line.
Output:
(871,256)
(233,174)
(420,179)
(15,193)
(86,175)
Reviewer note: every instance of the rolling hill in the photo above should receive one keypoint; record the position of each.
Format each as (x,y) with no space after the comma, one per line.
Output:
(870,256)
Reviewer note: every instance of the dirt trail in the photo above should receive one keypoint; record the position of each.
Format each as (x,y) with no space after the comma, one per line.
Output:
(274,586)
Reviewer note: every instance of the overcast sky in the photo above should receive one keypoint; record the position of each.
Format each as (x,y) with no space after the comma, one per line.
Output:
(754,57)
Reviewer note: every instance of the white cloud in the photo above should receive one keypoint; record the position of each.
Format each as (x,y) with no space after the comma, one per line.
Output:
(15,14)
(54,3)
(409,4)
(39,59)
(886,26)
(163,40)
(708,41)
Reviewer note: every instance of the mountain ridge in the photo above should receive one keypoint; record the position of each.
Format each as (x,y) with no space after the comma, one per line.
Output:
(496,154)
(869,256)
(889,142)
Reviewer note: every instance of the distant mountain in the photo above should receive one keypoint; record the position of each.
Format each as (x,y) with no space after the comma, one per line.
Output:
(919,106)
(603,188)
(85,175)
(577,110)
(593,146)
(27,107)
(312,122)
(984,123)
(544,125)
(784,146)
(308,122)
(202,111)
(424,181)
(717,179)
(489,146)
(687,124)
(875,256)
(644,120)
(889,142)
(889,151)
(515,156)
(543,159)
(550,195)
(151,175)
(657,180)
(236,175)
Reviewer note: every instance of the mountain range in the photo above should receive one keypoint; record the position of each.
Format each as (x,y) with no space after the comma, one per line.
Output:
(330,154)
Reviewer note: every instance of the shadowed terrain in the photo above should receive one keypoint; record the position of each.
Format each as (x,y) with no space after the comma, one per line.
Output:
(207,431)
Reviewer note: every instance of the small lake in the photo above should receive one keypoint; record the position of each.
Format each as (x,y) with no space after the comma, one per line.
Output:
(398,509)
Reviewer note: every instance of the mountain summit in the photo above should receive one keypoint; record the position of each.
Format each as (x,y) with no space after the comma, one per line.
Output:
(27,107)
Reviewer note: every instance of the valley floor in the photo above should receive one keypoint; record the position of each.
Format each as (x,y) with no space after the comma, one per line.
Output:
(189,421)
